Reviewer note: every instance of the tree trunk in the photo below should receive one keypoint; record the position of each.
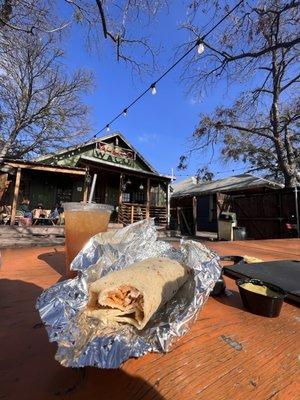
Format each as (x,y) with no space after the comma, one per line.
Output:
(8,144)
(5,12)
(291,181)
(287,168)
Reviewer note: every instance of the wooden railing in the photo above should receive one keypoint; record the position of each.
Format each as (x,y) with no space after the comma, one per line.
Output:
(160,215)
(132,212)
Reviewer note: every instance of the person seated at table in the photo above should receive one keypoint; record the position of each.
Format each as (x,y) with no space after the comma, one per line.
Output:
(4,214)
(56,211)
(39,212)
(23,211)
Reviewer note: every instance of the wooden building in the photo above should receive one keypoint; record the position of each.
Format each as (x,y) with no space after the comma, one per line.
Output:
(264,208)
(40,183)
(124,179)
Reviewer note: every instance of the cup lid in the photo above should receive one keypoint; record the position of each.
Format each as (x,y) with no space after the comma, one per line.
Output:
(72,205)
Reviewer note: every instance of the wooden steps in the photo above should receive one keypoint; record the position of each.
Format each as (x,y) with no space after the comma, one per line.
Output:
(17,236)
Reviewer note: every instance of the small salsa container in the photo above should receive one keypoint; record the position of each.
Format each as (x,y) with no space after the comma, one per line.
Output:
(268,305)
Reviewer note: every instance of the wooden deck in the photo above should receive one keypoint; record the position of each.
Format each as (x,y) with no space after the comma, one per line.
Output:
(228,354)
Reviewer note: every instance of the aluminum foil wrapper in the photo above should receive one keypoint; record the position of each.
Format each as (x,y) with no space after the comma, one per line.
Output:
(83,341)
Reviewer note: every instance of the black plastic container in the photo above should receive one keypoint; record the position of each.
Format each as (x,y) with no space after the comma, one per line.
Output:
(267,306)
(219,287)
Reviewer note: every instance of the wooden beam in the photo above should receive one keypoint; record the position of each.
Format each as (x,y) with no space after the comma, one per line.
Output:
(47,168)
(148,199)
(15,198)
(111,167)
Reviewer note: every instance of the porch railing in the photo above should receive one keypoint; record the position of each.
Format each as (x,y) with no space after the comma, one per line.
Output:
(129,213)
(160,215)
(132,212)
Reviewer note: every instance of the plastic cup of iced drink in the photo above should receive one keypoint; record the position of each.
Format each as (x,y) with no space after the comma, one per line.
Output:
(82,221)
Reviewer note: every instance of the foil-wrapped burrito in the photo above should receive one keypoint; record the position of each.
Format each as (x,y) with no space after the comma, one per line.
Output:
(133,294)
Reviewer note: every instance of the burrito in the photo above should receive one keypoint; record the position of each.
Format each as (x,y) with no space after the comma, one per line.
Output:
(132,295)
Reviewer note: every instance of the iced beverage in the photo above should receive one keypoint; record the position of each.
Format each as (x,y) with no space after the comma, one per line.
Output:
(82,221)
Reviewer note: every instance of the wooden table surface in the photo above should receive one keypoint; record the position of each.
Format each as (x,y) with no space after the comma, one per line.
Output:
(228,354)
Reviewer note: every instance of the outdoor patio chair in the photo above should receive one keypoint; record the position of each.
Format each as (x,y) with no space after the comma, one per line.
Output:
(4,215)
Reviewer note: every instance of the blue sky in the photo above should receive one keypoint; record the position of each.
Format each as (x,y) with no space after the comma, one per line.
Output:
(158,126)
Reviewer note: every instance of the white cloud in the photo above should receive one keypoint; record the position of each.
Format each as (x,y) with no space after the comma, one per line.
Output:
(147,137)
(194,100)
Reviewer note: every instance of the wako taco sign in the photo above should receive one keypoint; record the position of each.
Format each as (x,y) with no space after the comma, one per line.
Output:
(115,154)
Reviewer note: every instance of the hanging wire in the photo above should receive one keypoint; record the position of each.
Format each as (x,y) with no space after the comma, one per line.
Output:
(246,169)
(153,86)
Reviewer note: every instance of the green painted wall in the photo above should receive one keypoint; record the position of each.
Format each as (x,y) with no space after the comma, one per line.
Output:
(71,158)
(49,188)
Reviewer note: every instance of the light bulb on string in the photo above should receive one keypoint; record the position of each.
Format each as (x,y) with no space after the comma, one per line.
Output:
(107,128)
(199,43)
(200,48)
(125,112)
(153,89)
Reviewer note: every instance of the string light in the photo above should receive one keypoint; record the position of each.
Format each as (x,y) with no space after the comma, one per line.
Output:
(153,88)
(200,48)
(246,170)
(199,43)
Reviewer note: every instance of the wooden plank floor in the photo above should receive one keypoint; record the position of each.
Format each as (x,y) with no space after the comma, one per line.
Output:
(228,353)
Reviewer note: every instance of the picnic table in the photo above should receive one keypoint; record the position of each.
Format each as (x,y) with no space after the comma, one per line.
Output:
(228,353)
(44,221)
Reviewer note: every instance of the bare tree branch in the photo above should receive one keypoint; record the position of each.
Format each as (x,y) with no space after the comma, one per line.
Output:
(38,101)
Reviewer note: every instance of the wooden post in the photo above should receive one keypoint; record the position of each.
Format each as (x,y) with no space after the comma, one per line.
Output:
(168,204)
(195,214)
(178,218)
(131,214)
(120,190)
(85,193)
(148,199)
(15,198)
(120,200)
(4,183)
(297,212)
(85,187)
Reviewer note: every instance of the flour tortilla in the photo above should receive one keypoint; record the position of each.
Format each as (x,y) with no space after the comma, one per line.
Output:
(134,294)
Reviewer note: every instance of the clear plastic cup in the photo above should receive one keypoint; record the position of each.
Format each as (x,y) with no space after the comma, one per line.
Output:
(82,221)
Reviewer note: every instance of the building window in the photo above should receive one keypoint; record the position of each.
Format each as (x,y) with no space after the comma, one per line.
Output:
(138,197)
(126,197)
